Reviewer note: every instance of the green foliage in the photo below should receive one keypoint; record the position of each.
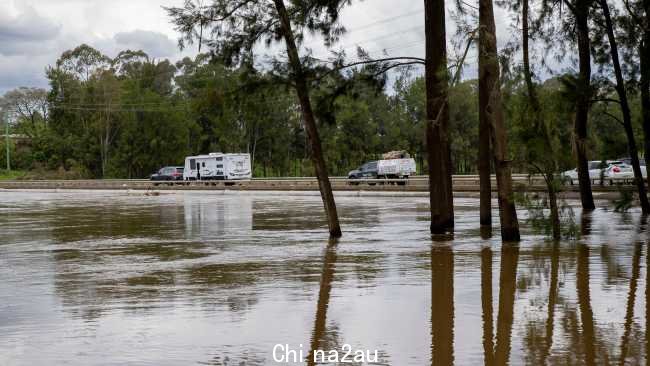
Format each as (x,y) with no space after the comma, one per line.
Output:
(624,202)
(539,219)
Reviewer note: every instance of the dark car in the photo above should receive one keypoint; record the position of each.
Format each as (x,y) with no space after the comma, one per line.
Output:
(366,171)
(168,173)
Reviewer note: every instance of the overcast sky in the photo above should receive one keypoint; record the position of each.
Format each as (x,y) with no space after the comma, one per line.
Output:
(34,33)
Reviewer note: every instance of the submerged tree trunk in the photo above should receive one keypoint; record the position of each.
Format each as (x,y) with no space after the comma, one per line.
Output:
(484,171)
(625,108)
(310,122)
(644,55)
(437,109)
(583,89)
(491,110)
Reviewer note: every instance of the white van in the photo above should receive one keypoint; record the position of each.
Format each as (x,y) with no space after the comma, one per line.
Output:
(218,166)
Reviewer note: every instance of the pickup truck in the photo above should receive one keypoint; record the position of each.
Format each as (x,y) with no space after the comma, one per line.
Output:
(385,169)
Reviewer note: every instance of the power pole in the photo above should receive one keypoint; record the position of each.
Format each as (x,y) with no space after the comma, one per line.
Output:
(4,115)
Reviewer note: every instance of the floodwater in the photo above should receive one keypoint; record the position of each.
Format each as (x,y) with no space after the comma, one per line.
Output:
(222,279)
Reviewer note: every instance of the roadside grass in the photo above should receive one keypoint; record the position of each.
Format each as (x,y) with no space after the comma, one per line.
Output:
(11,174)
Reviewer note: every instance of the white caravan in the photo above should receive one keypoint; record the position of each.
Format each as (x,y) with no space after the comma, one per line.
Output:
(218,166)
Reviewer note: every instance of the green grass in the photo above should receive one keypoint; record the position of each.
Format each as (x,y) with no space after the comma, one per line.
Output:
(10,175)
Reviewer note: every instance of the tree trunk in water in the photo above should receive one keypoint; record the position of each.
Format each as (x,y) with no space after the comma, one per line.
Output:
(555,212)
(583,100)
(310,122)
(437,109)
(490,110)
(625,108)
(644,53)
(484,171)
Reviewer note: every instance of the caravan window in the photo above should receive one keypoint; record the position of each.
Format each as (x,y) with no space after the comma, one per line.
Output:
(203,164)
(220,158)
(192,164)
(219,166)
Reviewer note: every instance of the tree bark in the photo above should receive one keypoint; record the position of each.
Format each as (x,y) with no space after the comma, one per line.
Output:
(583,89)
(644,55)
(625,108)
(437,110)
(310,122)
(491,110)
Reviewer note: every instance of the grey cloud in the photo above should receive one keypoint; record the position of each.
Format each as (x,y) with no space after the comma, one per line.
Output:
(153,43)
(26,33)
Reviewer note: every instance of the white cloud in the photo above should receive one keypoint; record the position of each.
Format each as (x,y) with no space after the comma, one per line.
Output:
(155,44)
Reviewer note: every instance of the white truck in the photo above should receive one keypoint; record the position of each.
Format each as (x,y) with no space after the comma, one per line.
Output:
(218,166)
(385,169)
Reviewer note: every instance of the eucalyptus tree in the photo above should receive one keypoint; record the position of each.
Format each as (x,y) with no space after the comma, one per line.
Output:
(235,30)
(491,114)
(29,107)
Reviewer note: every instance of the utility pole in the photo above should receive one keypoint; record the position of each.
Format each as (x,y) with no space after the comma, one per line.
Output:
(4,116)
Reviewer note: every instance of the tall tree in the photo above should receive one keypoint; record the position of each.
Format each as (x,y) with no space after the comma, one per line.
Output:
(580,10)
(624,103)
(437,113)
(540,152)
(491,113)
(236,29)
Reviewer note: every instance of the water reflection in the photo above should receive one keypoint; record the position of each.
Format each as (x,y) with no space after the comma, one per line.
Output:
(442,304)
(584,300)
(320,321)
(219,280)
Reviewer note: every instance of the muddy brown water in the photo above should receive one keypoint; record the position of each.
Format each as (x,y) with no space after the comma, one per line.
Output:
(198,279)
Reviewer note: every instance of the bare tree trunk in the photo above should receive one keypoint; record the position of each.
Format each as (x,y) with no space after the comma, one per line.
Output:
(644,53)
(437,109)
(310,123)
(491,110)
(625,108)
(555,212)
(583,100)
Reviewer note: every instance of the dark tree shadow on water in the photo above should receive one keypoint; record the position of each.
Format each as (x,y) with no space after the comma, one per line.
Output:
(499,353)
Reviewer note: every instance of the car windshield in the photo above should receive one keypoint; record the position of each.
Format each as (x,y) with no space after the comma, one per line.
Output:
(594,165)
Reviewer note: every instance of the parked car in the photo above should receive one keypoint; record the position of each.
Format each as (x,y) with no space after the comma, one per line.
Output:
(597,171)
(168,173)
(622,172)
(628,161)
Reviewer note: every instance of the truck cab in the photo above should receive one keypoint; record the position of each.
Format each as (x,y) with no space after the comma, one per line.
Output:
(366,171)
